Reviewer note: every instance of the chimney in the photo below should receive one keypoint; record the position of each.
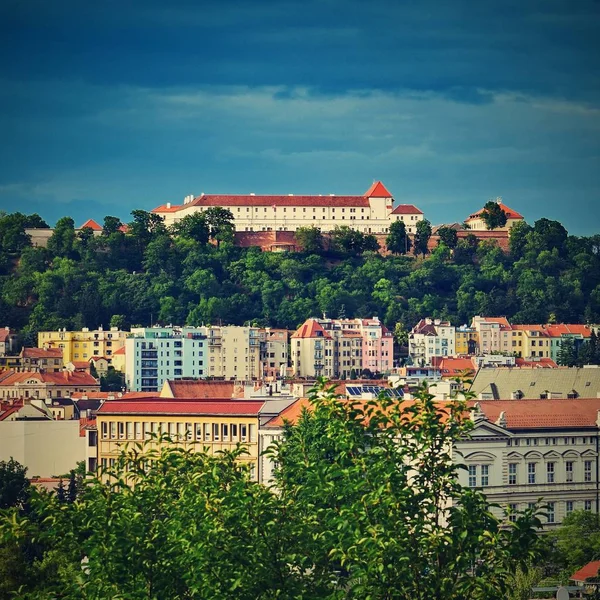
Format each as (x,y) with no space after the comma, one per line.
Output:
(168,205)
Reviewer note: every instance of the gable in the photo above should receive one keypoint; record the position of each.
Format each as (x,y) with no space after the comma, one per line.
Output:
(485,429)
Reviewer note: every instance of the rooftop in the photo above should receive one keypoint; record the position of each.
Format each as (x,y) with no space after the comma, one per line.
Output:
(181,406)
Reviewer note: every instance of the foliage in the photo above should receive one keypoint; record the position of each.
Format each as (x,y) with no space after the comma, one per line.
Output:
(113,381)
(493,215)
(14,485)
(348,241)
(350,517)
(310,239)
(422,235)
(448,236)
(397,241)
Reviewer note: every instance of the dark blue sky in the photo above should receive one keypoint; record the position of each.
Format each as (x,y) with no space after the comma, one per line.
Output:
(110,106)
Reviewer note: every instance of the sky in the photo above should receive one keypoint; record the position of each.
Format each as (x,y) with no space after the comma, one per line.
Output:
(108,107)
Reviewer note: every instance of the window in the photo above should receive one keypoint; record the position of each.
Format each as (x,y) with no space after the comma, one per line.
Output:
(244,433)
(104,430)
(531,472)
(225,432)
(550,512)
(569,471)
(569,507)
(234,432)
(512,474)
(216,431)
(587,505)
(550,472)
(472,475)
(587,470)
(512,510)
(121,431)
(485,475)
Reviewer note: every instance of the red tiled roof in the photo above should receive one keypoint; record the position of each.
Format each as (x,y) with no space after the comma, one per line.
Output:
(95,358)
(124,228)
(510,213)
(80,364)
(538,413)
(561,329)
(119,351)
(502,321)
(4,333)
(92,225)
(163,208)
(590,570)
(188,406)
(455,367)
(377,190)
(541,363)
(280,201)
(406,209)
(62,379)
(42,353)
(309,329)
(201,389)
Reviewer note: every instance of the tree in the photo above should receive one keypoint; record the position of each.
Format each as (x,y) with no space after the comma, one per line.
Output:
(14,485)
(397,241)
(72,488)
(422,236)
(61,494)
(309,239)
(145,226)
(567,354)
(12,232)
(111,225)
(448,236)
(220,224)
(351,518)
(193,227)
(113,381)
(62,240)
(493,215)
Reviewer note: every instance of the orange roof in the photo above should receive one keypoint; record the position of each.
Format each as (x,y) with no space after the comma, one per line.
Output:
(406,209)
(65,378)
(311,329)
(502,321)
(182,388)
(181,406)
(164,208)
(590,570)
(510,213)
(560,329)
(4,334)
(92,225)
(455,367)
(291,414)
(538,413)
(80,364)
(119,351)
(542,363)
(42,353)
(377,190)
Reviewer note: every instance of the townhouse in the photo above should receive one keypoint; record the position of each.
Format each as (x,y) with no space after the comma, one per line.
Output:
(431,338)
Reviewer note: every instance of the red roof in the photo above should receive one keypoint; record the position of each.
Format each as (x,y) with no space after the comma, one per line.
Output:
(590,570)
(42,353)
(188,406)
(164,208)
(119,351)
(311,329)
(502,321)
(4,333)
(540,363)
(76,378)
(561,329)
(92,225)
(377,190)
(406,209)
(538,413)
(291,414)
(200,389)
(456,367)
(510,213)
(80,364)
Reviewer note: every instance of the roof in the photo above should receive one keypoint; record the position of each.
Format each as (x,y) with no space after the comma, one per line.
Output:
(280,201)
(77,378)
(168,208)
(187,406)
(538,363)
(510,213)
(406,209)
(42,353)
(543,414)
(97,358)
(502,382)
(590,570)
(502,321)
(560,329)
(456,367)
(121,350)
(377,190)
(92,225)
(80,364)
(311,329)
(181,388)
(5,334)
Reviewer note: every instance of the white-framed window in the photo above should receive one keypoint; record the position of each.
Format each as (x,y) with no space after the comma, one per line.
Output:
(569,471)
(569,507)
(550,472)
(551,512)
(587,505)
(587,470)
(472,475)
(531,472)
(485,475)
(512,512)
(104,430)
(512,473)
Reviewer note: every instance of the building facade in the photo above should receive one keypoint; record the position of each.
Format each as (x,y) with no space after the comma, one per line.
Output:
(372,212)
(431,338)
(494,334)
(45,386)
(84,344)
(8,341)
(476,223)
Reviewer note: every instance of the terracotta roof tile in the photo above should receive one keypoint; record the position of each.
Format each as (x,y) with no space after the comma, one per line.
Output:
(377,190)
(119,351)
(406,209)
(510,213)
(77,378)
(311,329)
(166,406)
(4,333)
(590,570)
(42,353)
(200,389)
(168,208)
(92,225)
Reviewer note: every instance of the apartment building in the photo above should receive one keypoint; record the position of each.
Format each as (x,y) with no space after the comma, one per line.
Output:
(558,333)
(341,348)
(212,425)
(41,359)
(234,352)
(84,344)
(8,341)
(372,212)
(431,338)
(274,352)
(494,334)
(155,354)
(45,385)
(466,340)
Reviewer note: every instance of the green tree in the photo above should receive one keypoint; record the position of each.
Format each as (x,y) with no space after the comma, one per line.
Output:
(310,239)
(194,227)
(14,485)
(448,236)
(493,215)
(422,236)
(220,224)
(397,241)
(113,381)
(577,541)
(111,225)
(567,355)
(346,240)
(62,240)
(12,232)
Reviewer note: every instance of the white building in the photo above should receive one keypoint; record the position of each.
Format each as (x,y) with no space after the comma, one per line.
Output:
(372,212)
(155,354)
(430,338)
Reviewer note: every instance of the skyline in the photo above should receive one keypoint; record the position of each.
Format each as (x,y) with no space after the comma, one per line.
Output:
(111,108)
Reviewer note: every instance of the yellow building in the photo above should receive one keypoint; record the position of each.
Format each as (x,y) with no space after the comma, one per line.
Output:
(85,344)
(531,341)
(200,424)
(466,340)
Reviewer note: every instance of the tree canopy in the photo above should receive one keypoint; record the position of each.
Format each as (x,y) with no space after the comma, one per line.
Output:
(493,215)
